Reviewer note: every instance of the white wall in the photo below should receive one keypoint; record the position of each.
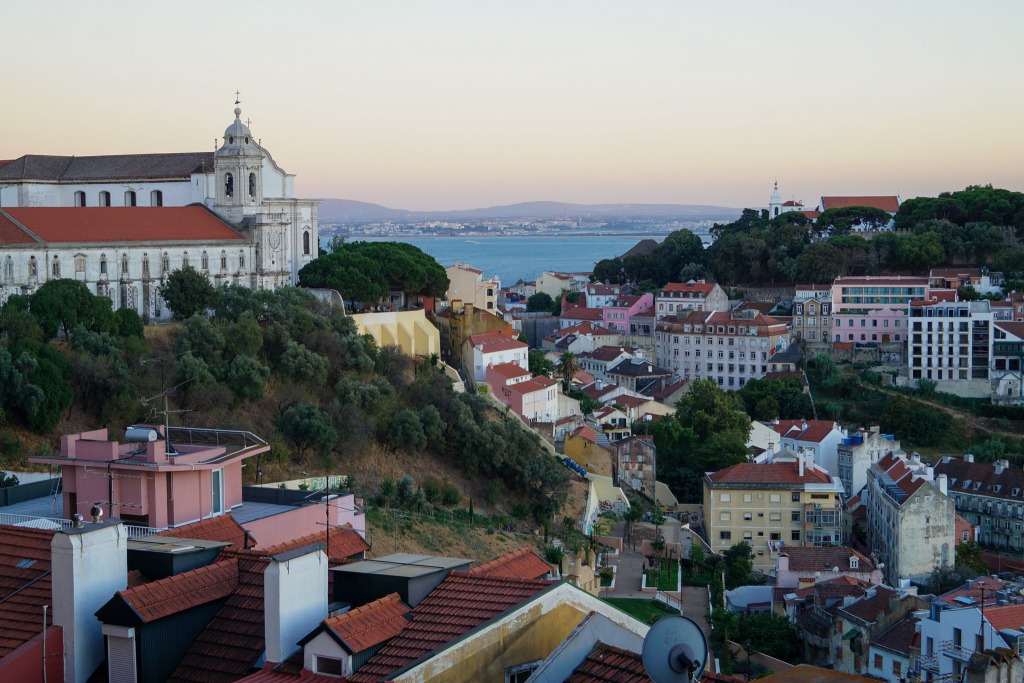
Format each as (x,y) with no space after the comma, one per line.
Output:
(295,602)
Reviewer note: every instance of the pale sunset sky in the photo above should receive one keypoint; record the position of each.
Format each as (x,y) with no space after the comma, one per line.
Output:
(446,105)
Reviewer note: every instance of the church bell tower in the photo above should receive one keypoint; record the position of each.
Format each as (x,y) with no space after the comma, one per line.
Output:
(238,166)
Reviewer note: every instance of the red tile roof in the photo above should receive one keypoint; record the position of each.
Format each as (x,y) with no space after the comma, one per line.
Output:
(370,624)
(593,392)
(222,528)
(698,287)
(869,608)
(460,604)
(493,342)
(586,433)
(899,637)
(268,674)
(807,559)
(538,383)
(1015,328)
(518,564)
(344,543)
(584,328)
(890,203)
(162,598)
(778,472)
(986,583)
(900,474)
(509,370)
(25,589)
(804,430)
(581,313)
(610,664)
(1008,616)
(233,640)
(123,224)
(12,233)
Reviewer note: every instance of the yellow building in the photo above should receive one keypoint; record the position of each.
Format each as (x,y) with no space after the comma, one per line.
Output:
(464,320)
(787,501)
(590,450)
(408,330)
(467,285)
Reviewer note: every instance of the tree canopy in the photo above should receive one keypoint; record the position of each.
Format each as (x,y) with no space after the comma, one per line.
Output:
(187,292)
(365,272)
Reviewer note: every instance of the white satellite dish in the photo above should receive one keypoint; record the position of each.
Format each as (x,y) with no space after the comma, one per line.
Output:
(675,651)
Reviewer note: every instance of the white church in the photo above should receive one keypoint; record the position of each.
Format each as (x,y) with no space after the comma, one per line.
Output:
(121,223)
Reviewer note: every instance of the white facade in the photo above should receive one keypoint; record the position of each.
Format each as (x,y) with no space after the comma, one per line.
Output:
(951,344)
(857,452)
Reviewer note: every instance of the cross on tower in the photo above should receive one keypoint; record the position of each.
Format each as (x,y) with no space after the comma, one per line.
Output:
(238,97)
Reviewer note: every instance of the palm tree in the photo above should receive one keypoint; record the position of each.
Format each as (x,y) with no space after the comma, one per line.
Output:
(568,366)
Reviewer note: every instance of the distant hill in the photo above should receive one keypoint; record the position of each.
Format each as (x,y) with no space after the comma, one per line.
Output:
(351,210)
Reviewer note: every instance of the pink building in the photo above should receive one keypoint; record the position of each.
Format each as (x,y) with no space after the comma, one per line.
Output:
(534,399)
(618,312)
(874,308)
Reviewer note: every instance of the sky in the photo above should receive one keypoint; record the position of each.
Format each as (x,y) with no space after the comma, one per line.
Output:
(452,105)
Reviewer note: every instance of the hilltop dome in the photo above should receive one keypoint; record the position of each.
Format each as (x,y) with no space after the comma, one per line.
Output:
(238,139)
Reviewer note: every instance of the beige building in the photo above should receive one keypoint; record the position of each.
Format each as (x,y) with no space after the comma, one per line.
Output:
(788,501)
(468,285)
(680,297)
(408,330)
(812,313)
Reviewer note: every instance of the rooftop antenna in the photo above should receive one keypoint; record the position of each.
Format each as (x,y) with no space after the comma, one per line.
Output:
(675,651)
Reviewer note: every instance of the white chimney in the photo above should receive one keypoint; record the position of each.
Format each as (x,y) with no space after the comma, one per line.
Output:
(294,599)
(800,464)
(968,457)
(90,564)
(943,483)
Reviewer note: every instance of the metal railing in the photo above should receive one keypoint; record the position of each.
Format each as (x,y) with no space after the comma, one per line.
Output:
(957,652)
(35,521)
(929,663)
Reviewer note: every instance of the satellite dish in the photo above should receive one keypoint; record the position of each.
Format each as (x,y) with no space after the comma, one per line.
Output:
(675,650)
(835,570)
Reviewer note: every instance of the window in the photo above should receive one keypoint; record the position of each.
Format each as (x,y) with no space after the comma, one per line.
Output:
(129,198)
(241,260)
(776,536)
(725,497)
(124,264)
(104,198)
(223,260)
(103,264)
(229,185)
(205,261)
(725,535)
(328,665)
(145,265)
(8,268)
(156,198)
(79,198)
(747,498)
(747,517)
(520,673)
(795,497)
(878,661)
(55,267)
(794,516)
(896,668)
(305,243)
(725,516)
(217,492)
(252,185)
(794,535)
(166,265)
(774,516)
(79,263)
(774,497)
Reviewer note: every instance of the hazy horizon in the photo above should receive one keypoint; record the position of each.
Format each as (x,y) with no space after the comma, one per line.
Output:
(458,105)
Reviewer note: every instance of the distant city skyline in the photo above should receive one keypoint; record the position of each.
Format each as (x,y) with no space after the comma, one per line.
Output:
(459,105)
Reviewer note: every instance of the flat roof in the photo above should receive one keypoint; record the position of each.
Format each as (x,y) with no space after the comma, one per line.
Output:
(170,544)
(404,564)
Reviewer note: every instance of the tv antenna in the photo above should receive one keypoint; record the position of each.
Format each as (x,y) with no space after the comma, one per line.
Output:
(675,651)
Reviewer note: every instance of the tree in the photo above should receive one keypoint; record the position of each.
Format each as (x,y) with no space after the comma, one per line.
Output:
(607,270)
(61,305)
(843,220)
(407,431)
(302,365)
(246,377)
(541,301)
(968,555)
(127,323)
(357,278)
(739,565)
(568,366)
(539,363)
(187,292)
(818,263)
(307,426)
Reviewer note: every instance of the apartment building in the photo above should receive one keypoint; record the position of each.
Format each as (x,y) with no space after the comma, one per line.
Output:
(787,501)
(618,313)
(812,313)
(468,285)
(818,439)
(730,348)
(951,344)
(599,294)
(989,496)
(874,308)
(911,522)
(858,451)
(1007,373)
(695,295)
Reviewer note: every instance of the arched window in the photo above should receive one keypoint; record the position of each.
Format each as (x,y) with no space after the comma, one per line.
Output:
(305,243)
(223,260)
(205,261)
(33,267)
(229,185)
(129,198)
(184,259)
(241,260)
(124,265)
(252,185)
(79,198)
(103,264)
(79,263)
(156,198)
(55,266)
(8,269)
(166,265)
(104,198)
(145,265)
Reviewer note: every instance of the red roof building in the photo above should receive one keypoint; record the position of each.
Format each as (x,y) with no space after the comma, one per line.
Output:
(123,225)
(518,564)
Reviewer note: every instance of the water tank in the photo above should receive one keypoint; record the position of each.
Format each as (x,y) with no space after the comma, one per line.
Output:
(140,434)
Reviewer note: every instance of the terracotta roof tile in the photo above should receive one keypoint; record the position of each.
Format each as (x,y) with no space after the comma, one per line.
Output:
(370,624)
(518,564)
(804,559)
(890,203)
(993,485)
(162,598)
(123,224)
(493,342)
(538,383)
(804,430)
(610,664)
(778,472)
(986,583)
(899,637)
(587,433)
(460,604)
(222,528)
(344,544)
(697,287)
(12,233)
(1008,616)
(270,674)
(581,313)
(24,589)
(870,607)
(509,370)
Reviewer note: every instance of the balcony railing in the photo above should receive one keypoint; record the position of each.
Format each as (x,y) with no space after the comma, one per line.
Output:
(957,652)
(929,663)
(56,523)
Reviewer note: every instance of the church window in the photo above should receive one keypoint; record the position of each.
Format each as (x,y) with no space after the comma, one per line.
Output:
(156,198)
(205,261)
(124,264)
(33,268)
(166,263)
(104,198)
(55,267)
(223,260)
(103,264)
(79,198)
(305,243)
(145,265)
(79,263)
(229,185)
(252,185)
(129,198)
(9,268)
(241,260)
(184,260)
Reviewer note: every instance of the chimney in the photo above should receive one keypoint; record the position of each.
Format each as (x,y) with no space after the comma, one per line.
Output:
(800,464)
(968,457)
(943,483)
(90,564)
(294,599)
(1002,465)
(599,384)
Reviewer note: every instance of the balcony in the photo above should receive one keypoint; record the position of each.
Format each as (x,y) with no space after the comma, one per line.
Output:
(957,652)
(929,663)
